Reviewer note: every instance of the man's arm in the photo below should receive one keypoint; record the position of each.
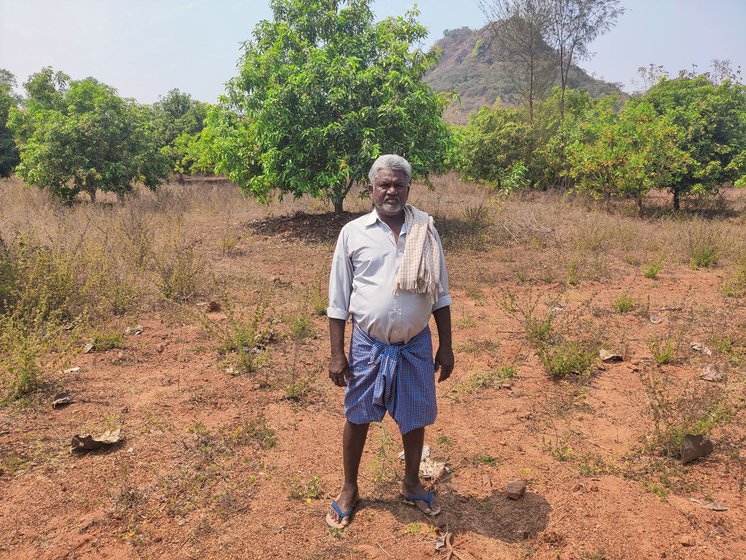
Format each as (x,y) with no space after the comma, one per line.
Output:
(339,368)
(444,356)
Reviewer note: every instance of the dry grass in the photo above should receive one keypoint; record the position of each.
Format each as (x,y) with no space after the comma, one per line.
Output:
(540,280)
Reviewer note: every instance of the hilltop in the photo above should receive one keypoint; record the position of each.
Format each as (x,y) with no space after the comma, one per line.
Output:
(479,80)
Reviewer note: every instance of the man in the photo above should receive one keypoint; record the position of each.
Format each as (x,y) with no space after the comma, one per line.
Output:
(389,275)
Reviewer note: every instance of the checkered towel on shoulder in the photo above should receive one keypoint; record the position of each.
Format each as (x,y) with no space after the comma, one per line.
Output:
(419,270)
(397,377)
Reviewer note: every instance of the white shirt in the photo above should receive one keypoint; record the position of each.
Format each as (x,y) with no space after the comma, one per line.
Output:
(361,282)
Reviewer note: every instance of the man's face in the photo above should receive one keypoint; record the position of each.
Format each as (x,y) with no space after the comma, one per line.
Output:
(389,191)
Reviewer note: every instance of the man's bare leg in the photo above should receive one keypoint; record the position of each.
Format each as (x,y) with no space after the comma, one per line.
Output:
(353,442)
(413,441)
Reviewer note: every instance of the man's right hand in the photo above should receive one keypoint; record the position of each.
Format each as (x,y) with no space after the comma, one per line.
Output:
(339,370)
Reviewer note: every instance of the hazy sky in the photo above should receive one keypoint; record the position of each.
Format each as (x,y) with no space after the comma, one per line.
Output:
(146,47)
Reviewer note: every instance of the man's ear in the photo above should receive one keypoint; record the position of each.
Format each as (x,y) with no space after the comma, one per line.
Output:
(370,189)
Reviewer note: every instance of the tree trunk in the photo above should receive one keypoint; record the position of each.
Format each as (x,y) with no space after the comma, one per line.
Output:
(638,200)
(676,204)
(338,197)
(89,186)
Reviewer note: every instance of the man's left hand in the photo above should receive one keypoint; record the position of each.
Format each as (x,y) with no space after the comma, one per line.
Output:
(444,361)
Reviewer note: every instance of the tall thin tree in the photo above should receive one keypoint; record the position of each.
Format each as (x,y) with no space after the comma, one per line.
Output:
(517,36)
(575,24)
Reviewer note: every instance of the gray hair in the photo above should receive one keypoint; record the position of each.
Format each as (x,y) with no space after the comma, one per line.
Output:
(390,161)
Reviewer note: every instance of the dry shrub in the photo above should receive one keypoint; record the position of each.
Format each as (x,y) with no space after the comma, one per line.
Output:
(179,265)
(704,243)
(39,302)
(695,410)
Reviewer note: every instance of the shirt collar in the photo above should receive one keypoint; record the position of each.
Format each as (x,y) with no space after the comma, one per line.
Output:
(372,219)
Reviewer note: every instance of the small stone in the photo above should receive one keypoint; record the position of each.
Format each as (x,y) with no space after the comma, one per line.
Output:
(72,370)
(160,348)
(687,540)
(516,489)
(607,356)
(655,319)
(593,488)
(213,307)
(700,347)
(62,399)
(716,506)
(87,348)
(694,447)
(711,373)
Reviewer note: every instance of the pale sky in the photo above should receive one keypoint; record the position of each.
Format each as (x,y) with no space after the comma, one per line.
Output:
(146,47)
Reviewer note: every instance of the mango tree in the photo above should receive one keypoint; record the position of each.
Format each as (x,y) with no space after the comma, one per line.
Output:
(626,154)
(8,150)
(713,119)
(327,90)
(84,138)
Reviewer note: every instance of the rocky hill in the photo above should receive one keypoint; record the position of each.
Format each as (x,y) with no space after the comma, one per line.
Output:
(479,80)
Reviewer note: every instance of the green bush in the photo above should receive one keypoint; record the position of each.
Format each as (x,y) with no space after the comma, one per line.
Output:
(566,358)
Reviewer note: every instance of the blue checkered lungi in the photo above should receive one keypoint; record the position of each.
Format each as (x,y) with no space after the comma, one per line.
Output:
(396,377)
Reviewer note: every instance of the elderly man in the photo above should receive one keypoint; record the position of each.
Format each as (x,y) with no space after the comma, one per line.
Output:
(389,274)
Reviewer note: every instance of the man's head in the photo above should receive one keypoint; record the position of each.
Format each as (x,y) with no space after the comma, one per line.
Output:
(389,184)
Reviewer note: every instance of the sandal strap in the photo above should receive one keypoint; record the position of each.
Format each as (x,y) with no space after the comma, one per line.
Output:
(339,512)
(427,498)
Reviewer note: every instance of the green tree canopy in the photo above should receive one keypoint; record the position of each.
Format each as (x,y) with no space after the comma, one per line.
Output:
(177,119)
(327,90)
(628,153)
(8,151)
(497,146)
(83,137)
(713,118)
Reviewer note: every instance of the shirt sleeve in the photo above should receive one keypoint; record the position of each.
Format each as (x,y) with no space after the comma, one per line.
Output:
(340,281)
(444,298)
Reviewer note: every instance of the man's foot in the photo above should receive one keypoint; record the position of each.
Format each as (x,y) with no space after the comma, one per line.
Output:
(342,509)
(421,498)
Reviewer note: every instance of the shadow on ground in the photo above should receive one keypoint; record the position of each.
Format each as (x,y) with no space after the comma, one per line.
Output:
(495,517)
(309,228)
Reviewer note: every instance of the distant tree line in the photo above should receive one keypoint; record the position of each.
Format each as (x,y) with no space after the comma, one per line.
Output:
(72,136)
(323,89)
(685,134)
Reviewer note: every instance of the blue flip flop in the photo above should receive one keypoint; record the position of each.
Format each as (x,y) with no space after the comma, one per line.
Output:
(342,515)
(427,498)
